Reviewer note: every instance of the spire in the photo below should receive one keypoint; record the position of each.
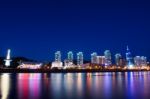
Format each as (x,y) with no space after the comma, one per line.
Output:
(8,59)
(8,54)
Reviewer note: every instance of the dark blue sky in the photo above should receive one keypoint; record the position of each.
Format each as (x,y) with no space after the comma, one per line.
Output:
(36,29)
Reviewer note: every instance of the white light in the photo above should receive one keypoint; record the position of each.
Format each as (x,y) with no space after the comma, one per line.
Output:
(5,86)
(8,60)
(57,64)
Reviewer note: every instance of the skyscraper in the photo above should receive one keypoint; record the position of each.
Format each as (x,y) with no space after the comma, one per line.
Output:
(137,61)
(129,58)
(58,56)
(68,63)
(94,58)
(70,56)
(143,61)
(57,63)
(107,55)
(79,58)
(118,59)
(8,59)
(140,61)
(101,60)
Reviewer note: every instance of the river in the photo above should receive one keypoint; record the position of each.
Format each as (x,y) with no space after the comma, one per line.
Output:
(106,85)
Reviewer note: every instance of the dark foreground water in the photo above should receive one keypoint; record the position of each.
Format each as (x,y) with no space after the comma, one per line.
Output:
(128,85)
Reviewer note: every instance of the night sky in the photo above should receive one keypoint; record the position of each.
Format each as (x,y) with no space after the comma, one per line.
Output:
(36,29)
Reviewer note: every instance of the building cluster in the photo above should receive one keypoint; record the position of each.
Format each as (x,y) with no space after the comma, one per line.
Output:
(104,60)
(69,62)
(127,62)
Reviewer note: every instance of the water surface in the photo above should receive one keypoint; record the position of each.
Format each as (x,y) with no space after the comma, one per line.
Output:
(109,85)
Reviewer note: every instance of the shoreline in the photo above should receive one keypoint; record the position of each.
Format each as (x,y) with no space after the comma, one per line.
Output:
(65,71)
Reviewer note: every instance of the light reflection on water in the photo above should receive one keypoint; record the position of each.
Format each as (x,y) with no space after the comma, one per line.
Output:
(128,85)
(29,85)
(5,86)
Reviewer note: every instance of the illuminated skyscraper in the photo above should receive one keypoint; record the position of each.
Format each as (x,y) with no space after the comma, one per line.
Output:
(107,55)
(8,59)
(57,63)
(101,60)
(143,61)
(68,63)
(80,59)
(58,56)
(137,61)
(129,58)
(70,56)
(140,61)
(118,58)
(94,58)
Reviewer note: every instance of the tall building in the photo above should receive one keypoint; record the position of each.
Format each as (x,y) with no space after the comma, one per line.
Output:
(58,56)
(122,62)
(8,58)
(140,61)
(143,61)
(57,63)
(129,58)
(118,60)
(107,55)
(94,58)
(79,58)
(101,60)
(137,61)
(68,63)
(70,56)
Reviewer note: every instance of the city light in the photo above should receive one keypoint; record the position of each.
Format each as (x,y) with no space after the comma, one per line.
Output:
(8,60)
(30,65)
(97,62)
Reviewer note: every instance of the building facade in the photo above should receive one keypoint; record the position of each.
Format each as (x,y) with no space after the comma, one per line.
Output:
(80,58)
(108,61)
(118,60)
(129,59)
(101,60)
(58,56)
(70,56)
(57,63)
(94,58)
(140,61)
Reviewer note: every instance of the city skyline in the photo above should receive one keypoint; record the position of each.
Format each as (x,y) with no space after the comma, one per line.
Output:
(49,56)
(35,28)
(98,62)
(109,57)
(74,49)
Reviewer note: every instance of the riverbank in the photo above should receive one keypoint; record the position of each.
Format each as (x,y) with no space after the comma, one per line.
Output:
(66,71)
